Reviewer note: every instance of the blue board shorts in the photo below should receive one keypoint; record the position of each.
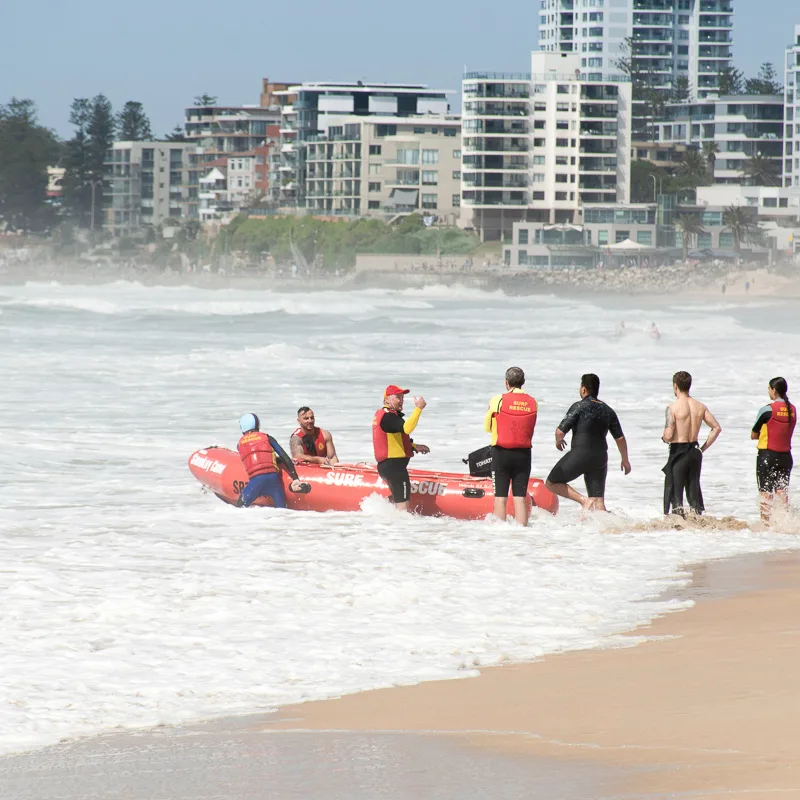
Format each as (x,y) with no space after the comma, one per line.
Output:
(267,485)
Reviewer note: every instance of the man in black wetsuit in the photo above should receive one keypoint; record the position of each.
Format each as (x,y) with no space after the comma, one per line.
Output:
(590,421)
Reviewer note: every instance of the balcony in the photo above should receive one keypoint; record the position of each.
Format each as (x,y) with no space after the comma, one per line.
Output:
(598,111)
(496,128)
(508,199)
(598,165)
(599,129)
(495,110)
(498,145)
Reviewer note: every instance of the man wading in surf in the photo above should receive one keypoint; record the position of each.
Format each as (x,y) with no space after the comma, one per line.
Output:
(392,443)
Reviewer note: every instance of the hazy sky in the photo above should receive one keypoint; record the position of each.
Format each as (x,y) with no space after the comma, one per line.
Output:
(164,52)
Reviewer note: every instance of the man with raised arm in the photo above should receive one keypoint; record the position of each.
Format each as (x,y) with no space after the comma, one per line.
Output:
(310,444)
(590,421)
(684,418)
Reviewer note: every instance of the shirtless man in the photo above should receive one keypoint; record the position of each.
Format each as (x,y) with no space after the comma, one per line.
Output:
(310,444)
(684,418)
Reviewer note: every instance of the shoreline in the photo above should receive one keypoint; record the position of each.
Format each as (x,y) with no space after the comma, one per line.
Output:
(684,282)
(618,716)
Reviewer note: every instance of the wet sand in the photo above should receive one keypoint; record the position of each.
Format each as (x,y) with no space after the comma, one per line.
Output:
(709,707)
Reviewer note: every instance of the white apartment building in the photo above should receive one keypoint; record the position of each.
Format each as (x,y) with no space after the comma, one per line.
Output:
(315,107)
(540,146)
(146,183)
(791,164)
(386,165)
(220,131)
(741,126)
(671,38)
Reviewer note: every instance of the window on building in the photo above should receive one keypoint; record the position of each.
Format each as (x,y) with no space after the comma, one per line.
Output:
(450,132)
(539,124)
(419,131)
(704,241)
(726,240)
(561,178)
(374,169)
(456,154)
(562,88)
(386,130)
(562,106)
(374,186)
(456,175)
(562,125)
(406,156)
(429,201)
(430,177)
(456,201)
(561,161)
(373,205)
(538,195)
(374,149)
(538,142)
(561,195)
(522,258)
(540,105)
(770,202)
(430,156)
(538,159)
(522,237)
(562,142)
(644,237)
(602,237)
(538,177)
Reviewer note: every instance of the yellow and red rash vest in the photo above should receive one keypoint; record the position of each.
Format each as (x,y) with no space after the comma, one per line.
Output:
(389,445)
(516,419)
(258,457)
(319,447)
(775,428)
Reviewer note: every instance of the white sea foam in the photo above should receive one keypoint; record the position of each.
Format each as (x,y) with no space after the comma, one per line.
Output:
(131,598)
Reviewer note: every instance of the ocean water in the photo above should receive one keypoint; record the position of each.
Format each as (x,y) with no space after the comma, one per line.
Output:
(128,597)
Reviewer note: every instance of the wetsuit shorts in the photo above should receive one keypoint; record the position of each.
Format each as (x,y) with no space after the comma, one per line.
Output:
(267,485)
(592,465)
(395,472)
(511,469)
(773,471)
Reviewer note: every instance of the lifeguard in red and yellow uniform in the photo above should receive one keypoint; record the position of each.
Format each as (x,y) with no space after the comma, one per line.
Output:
(393,445)
(511,420)
(262,457)
(310,444)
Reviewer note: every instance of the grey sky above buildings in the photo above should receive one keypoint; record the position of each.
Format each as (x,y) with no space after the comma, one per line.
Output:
(163,53)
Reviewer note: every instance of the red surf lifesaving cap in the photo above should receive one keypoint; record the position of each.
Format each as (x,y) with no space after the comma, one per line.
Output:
(392,389)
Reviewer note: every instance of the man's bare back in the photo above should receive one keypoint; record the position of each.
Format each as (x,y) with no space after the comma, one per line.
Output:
(685,417)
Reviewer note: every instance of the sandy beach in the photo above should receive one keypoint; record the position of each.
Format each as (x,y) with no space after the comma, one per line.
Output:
(706,706)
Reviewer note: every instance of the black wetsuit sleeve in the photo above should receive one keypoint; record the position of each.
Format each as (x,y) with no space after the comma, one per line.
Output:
(391,423)
(286,462)
(763,418)
(613,424)
(568,423)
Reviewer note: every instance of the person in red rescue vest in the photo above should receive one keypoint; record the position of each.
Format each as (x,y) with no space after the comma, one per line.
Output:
(393,445)
(511,419)
(262,457)
(310,444)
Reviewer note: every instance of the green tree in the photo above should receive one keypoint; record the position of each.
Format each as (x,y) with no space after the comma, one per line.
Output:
(205,100)
(642,186)
(766,82)
(731,81)
(710,150)
(176,135)
(681,92)
(742,222)
(26,149)
(689,226)
(133,124)
(84,180)
(761,171)
(693,168)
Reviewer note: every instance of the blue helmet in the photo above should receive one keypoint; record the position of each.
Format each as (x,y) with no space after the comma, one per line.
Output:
(249,422)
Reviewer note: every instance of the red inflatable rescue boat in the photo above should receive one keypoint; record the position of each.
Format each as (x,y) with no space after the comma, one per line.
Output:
(344,487)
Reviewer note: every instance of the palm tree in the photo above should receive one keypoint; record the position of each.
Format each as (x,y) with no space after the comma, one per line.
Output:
(693,167)
(742,222)
(761,171)
(710,150)
(689,226)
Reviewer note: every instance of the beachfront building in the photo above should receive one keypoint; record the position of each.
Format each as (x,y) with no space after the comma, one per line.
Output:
(312,108)
(147,184)
(791,164)
(737,127)
(538,146)
(778,204)
(222,131)
(670,39)
(386,166)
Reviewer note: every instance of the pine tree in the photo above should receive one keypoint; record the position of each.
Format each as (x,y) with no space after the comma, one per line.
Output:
(205,99)
(731,81)
(26,149)
(132,123)
(765,83)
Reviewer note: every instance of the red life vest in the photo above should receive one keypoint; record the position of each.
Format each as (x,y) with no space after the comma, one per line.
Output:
(516,420)
(318,448)
(257,454)
(389,445)
(780,427)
